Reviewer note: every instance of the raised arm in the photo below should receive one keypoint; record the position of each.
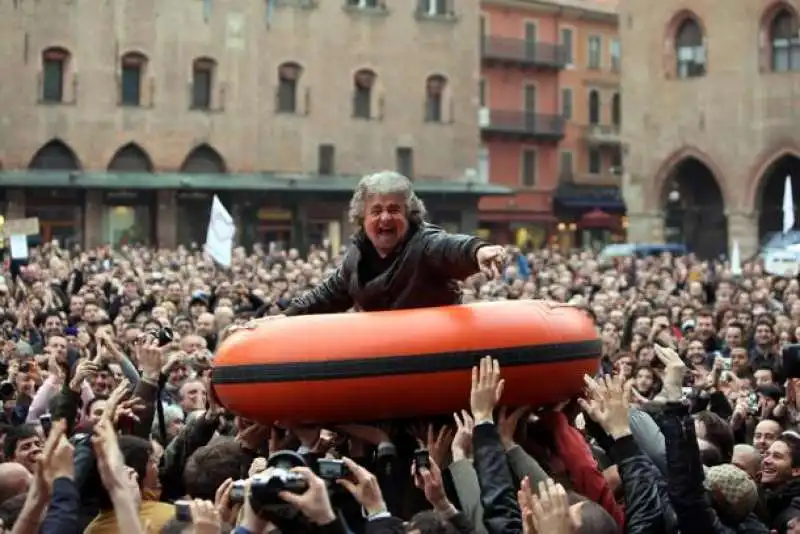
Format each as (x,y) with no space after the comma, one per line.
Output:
(453,255)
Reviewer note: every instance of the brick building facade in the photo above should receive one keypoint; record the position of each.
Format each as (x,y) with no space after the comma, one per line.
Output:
(711,123)
(119,120)
(550,118)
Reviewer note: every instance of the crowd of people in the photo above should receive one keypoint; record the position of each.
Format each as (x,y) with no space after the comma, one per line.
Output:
(109,424)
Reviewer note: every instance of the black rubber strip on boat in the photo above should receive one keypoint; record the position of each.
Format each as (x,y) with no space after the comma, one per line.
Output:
(402,365)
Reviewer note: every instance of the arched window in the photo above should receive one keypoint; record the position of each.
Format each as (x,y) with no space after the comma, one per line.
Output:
(784,42)
(363,85)
(594,107)
(132,69)
(55,61)
(288,78)
(616,110)
(203,82)
(434,98)
(690,52)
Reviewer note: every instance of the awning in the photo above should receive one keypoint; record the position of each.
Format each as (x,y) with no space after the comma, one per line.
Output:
(264,181)
(589,197)
(598,219)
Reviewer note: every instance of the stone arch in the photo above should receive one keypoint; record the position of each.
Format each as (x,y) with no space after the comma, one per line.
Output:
(771,10)
(130,158)
(204,159)
(55,155)
(677,20)
(692,201)
(767,185)
(661,181)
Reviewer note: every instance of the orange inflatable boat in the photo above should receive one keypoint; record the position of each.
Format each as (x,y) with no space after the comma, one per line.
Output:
(407,363)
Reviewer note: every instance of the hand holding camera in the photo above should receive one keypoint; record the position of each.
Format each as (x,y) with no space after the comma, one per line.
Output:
(314,503)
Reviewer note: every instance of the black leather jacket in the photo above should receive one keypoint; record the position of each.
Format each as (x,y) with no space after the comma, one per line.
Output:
(422,275)
(690,502)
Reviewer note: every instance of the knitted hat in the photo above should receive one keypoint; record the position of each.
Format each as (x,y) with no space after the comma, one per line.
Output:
(732,489)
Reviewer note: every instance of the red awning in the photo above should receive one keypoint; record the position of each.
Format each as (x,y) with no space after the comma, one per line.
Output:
(599,219)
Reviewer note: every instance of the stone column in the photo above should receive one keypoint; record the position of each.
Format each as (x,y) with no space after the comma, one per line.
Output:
(646,227)
(743,229)
(167,218)
(93,223)
(15,204)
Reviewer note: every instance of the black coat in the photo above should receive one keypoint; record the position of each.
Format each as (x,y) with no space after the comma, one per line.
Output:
(423,274)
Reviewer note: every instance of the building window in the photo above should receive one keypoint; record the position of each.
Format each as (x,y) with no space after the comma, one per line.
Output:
(616,110)
(565,166)
(288,78)
(363,4)
(530,98)
(616,55)
(594,107)
(690,50)
(595,51)
(567,43)
(132,76)
(529,164)
(595,161)
(363,84)
(405,162)
(326,164)
(785,42)
(433,8)
(434,98)
(482,92)
(202,83)
(566,103)
(54,71)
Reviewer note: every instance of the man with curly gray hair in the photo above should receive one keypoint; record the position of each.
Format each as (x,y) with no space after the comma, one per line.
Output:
(397,259)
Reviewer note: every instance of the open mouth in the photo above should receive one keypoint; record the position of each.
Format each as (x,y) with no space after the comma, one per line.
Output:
(385,232)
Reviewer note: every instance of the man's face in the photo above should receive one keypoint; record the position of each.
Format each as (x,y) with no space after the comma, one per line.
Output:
(385,221)
(205,324)
(763,377)
(28,451)
(763,336)
(53,326)
(739,360)
(705,326)
(193,396)
(76,305)
(733,336)
(58,347)
(776,467)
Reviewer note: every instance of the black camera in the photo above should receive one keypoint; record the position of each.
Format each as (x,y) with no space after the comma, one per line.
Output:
(791,361)
(264,490)
(46,423)
(332,469)
(164,335)
(422,459)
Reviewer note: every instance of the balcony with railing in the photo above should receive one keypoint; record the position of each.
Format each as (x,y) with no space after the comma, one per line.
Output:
(603,134)
(520,124)
(509,51)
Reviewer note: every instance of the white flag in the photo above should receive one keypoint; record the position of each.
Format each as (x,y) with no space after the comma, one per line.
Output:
(788,205)
(221,231)
(736,260)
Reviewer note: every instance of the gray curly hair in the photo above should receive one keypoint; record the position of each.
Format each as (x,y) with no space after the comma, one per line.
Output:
(386,183)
